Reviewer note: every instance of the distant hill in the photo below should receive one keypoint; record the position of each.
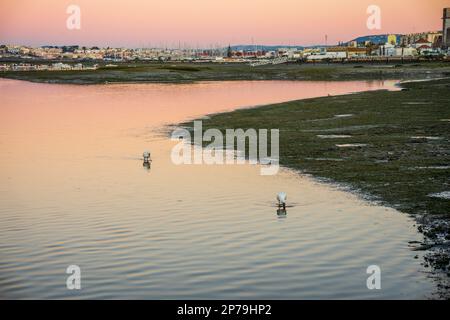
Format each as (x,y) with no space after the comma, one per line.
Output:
(376,39)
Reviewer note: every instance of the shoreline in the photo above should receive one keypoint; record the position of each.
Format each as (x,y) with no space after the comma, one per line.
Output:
(403,164)
(190,73)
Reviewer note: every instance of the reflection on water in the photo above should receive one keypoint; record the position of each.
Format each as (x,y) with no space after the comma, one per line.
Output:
(281,213)
(158,230)
(147,165)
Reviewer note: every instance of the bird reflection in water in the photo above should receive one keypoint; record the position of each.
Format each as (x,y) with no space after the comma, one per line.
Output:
(147,165)
(147,160)
(281,213)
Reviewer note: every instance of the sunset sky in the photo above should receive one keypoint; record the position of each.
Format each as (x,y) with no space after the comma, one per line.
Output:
(203,23)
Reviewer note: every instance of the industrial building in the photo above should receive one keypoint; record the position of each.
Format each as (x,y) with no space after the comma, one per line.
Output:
(446,28)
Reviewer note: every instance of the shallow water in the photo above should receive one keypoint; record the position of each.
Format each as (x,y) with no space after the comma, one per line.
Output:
(73,191)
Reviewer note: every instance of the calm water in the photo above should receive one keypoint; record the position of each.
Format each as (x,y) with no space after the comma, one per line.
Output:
(73,191)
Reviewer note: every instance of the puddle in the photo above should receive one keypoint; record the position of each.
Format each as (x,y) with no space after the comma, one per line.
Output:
(333,118)
(343,115)
(349,128)
(417,103)
(333,136)
(442,195)
(325,159)
(351,145)
(432,168)
(426,138)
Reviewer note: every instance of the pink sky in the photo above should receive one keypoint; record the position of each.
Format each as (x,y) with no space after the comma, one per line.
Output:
(136,23)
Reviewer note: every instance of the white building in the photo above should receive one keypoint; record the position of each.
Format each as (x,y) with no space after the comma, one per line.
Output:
(406,52)
(386,50)
(326,55)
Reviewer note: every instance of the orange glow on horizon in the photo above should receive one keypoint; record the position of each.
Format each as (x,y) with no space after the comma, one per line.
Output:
(197,23)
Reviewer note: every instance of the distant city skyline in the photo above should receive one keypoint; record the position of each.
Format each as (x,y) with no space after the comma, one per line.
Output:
(206,23)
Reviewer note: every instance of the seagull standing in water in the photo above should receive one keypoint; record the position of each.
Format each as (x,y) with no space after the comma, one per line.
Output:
(281,197)
(146,156)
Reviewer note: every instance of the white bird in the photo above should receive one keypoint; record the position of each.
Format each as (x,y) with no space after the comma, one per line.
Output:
(281,197)
(146,156)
